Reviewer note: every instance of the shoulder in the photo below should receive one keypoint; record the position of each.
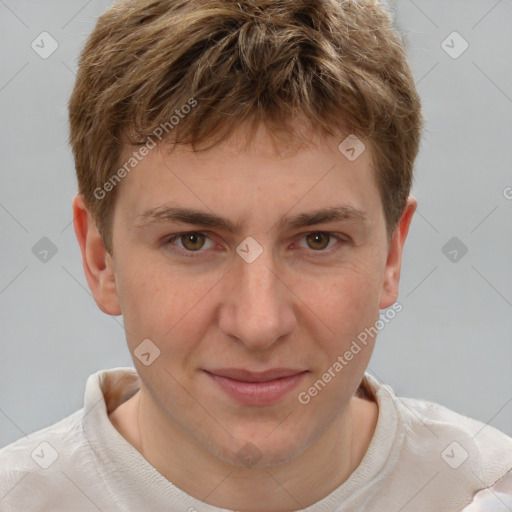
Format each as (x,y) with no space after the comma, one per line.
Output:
(59,464)
(455,456)
(497,498)
(60,432)
(490,450)
(37,472)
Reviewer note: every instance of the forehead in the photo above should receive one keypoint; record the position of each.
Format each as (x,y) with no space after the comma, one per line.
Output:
(259,172)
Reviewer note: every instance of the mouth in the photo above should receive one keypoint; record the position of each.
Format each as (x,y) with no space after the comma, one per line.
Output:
(256,388)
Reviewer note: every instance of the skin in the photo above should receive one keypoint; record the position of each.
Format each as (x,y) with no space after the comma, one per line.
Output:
(299,305)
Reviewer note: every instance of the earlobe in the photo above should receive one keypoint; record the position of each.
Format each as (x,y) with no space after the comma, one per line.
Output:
(390,285)
(97,262)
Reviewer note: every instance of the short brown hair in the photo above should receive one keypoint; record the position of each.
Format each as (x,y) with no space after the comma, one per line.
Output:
(338,63)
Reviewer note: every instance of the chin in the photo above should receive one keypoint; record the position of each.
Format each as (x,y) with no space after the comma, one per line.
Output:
(264,449)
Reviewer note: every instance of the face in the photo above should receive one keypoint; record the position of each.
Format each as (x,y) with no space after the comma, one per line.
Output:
(278,263)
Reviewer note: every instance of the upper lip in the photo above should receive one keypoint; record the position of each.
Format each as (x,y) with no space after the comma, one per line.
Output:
(248,376)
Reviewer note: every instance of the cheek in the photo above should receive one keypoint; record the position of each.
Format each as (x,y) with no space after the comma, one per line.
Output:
(347,306)
(161,304)
(346,299)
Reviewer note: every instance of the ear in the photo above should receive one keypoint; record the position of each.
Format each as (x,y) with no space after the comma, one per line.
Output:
(389,292)
(97,262)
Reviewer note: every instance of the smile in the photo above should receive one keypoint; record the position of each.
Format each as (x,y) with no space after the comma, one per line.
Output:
(249,388)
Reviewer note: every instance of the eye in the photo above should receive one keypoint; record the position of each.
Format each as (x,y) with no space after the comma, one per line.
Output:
(321,240)
(190,242)
(195,243)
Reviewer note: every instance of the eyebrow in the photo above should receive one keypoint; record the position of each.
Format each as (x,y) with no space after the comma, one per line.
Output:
(163,214)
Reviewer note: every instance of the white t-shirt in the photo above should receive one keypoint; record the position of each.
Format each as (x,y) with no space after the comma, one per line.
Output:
(422,457)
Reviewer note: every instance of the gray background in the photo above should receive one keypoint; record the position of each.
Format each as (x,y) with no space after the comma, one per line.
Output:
(452,341)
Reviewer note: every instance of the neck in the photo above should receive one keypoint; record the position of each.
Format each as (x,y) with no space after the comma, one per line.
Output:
(292,485)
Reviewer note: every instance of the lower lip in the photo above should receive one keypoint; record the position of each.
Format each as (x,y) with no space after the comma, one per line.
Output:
(257,393)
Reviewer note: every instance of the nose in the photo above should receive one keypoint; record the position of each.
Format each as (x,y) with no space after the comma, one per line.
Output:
(258,307)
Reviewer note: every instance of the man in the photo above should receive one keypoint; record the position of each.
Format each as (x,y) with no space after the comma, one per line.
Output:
(244,173)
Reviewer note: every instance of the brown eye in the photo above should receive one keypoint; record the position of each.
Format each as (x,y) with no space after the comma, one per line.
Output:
(318,240)
(192,241)
(190,244)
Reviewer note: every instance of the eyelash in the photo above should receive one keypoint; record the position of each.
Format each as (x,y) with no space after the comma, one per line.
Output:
(198,253)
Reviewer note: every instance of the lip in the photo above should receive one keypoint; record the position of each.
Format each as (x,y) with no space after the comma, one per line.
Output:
(256,388)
